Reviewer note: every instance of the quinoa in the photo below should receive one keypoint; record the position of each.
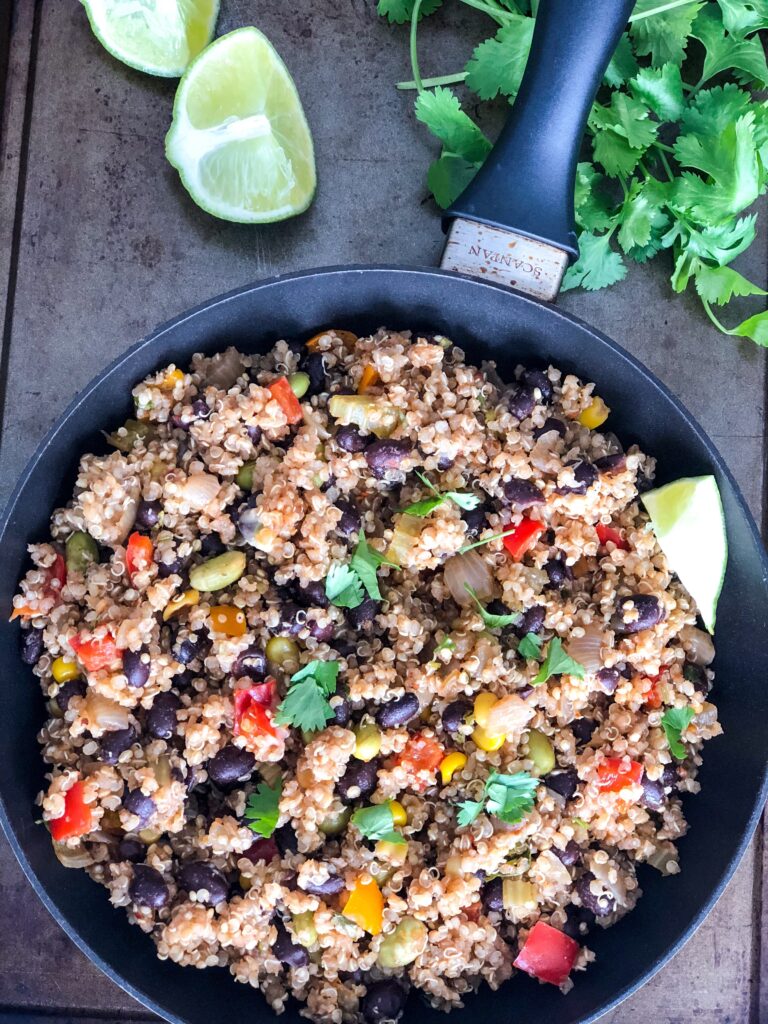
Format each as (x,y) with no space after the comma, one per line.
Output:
(487,516)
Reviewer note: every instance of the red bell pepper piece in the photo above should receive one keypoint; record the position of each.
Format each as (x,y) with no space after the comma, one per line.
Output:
(56,577)
(254,710)
(138,553)
(96,652)
(547,954)
(421,753)
(523,537)
(282,392)
(653,697)
(77,819)
(616,772)
(610,533)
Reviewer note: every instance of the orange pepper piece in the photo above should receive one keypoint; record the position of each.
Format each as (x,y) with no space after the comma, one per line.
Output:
(369,377)
(138,553)
(365,905)
(77,819)
(282,392)
(227,619)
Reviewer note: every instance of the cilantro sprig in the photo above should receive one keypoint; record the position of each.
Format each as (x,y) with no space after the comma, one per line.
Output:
(675,721)
(507,797)
(377,822)
(492,621)
(346,585)
(557,663)
(676,142)
(262,809)
(423,508)
(306,705)
(530,646)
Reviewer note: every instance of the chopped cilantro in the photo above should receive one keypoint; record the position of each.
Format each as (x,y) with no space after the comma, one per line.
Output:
(343,587)
(262,809)
(507,797)
(674,722)
(530,646)
(423,508)
(377,822)
(306,704)
(344,584)
(492,621)
(557,663)
(446,645)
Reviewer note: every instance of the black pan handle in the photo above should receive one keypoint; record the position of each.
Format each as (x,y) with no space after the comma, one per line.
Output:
(526,184)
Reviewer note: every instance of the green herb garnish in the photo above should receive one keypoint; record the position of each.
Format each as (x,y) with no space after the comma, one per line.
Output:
(486,540)
(423,508)
(262,809)
(343,587)
(580,822)
(674,722)
(492,621)
(508,797)
(673,162)
(446,645)
(557,663)
(377,822)
(344,584)
(530,646)
(306,704)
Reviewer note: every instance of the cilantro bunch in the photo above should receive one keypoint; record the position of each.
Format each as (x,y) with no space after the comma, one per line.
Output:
(676,150)
(508,797)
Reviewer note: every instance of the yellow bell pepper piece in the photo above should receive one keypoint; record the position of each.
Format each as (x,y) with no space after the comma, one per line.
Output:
(227,619)
(485,741)
(185,600)
(483,704)
(63,670)
(595,414)
(451,764)
(399,816)
(171,379)
(365,905)
(367,742)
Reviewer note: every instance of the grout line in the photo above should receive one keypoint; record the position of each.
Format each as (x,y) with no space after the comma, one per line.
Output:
(5,53)
(18,214)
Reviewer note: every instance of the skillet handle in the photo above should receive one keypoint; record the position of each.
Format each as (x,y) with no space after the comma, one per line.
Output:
(526,185)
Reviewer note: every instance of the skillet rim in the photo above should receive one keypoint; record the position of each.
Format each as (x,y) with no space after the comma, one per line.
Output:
(392,271)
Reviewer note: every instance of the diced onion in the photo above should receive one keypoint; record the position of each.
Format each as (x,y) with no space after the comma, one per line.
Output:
(407,529)
(372,415)
(224,368)
(707,716)
(518,894)
(586,649)
(508,716)
(72,856)
(470,570)
(248,524)
(697,645)
(200,489)
(104,713)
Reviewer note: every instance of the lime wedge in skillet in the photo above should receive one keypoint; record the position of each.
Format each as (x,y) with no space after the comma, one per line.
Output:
(239,138)
(157,36)
(687,518)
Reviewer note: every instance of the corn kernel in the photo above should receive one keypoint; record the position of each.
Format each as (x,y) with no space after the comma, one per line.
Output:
(451,764)
(171,379)
(595,414)
(399,816)
(485,741)
(483,704)
(185,600)
(367,742)
(63,670)
(393,853)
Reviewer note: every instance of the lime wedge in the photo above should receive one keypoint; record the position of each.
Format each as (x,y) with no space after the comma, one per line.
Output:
(239,138)
(157,36)
(687,518)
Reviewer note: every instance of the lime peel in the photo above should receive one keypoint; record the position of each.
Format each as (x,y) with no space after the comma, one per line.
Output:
(689,524)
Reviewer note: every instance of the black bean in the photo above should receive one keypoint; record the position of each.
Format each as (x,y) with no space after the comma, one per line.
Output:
(386,455)
(653,793)
(550,423)
(570,855)
(286,950)
(644,611)
(582,729)
(497,607)
(578,922)
(161,719)
(323,634)
(341,711)
(148,514)
(183,680)
(584,475)
(397,712)
(532,620)
(670,777)
(31,645)
(384,1000)
(142,806)
(346,648)
(611,463)
(601,905)
(444,462)
(174,568)
(521,401)
(358,781)
(292,619)
(251,662)
(476,519)
(231,765)
(148,887)
(538,381)
(286,840)
(349,439)
(254,433)
(609,679)
(349,524)
(191,648)
(563,782)
(557,571)
(313,595)
(72,688)
(362,617)
(131,849)
(522,493)
(332,886)
(454,714)
(198,874)
(492,895)
(200,409)
(313,364)
(697,675)
(136,667)
(211,545)
(114,743)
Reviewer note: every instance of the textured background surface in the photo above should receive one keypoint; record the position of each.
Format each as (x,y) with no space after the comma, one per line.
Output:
(99,243)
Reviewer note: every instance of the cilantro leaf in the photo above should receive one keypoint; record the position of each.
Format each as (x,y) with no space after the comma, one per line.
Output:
(423,508)
(740,18)
(420,509)
(530,646)
(623,64)
(365,562)
(448,176)
(754,327)
(642,217)
(661,89)
(497,65)
(615,153)
(557,663)
(441,112)
(377,822)
(306,705)
(492,621)
(674,722)
(591,201)
(263,808)
(725,52)
(463,499)
(343,587)
(663,35)
(627,117)
(597,266)
(710,111)
(507,797)
(718,285)
(400,11)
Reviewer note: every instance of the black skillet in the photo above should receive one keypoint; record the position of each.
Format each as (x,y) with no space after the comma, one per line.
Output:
(571,47)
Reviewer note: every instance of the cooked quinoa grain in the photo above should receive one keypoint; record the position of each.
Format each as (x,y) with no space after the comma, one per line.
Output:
(386,687)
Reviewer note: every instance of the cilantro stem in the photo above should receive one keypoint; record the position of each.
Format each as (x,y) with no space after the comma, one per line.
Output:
(713,318)
(414,46)
(669,6)
(430,83)
(487,540)
(495,12)
(665,165)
